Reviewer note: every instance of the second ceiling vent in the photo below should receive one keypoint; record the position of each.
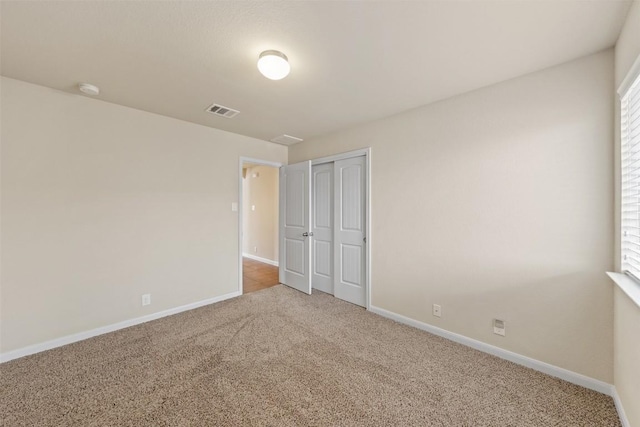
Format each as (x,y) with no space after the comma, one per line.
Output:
(221,110)
(286,140)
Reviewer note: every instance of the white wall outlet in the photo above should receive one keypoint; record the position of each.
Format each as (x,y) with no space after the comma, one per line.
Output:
(437,310)
(146,299)
(499,327)
(255,249)
(253,207)
(234,207)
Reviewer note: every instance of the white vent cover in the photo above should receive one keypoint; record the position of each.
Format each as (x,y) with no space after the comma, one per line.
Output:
(221,110)
(286,140)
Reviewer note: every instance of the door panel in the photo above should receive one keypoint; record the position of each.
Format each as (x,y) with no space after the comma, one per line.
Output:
(351,262)
(350,228)
(322,259)
(295,209)
(294,250)
(322,220)
(352,179)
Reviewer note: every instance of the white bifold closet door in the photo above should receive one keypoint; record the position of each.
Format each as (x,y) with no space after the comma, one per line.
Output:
(322,227)
(350,230)
(295,213)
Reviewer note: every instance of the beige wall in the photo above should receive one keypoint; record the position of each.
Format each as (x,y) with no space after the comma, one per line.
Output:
(103,203)
(498,203)
(628,45)
(246,203)
(627,355)
(627,314)
(261,225)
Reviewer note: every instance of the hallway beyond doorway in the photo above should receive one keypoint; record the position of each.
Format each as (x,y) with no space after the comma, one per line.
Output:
(258,275)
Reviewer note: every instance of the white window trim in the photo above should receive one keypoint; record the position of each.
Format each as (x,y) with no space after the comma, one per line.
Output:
(628,285)
(634,72)
(626,281)
(629,208)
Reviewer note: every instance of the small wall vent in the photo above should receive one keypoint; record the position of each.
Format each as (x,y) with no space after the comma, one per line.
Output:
(286,140)
(221,110)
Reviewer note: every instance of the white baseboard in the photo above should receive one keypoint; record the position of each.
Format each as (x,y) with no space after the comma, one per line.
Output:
(555,371)
(58,342)
(616,399)
(257,258)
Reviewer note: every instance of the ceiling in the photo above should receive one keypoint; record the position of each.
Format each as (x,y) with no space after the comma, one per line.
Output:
(351,62)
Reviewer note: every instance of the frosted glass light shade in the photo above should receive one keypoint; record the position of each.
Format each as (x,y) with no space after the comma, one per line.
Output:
(273,65)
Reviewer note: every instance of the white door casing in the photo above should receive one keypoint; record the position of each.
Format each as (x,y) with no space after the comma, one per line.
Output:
(350,230)
(295,213)
(240,208)
(322,219)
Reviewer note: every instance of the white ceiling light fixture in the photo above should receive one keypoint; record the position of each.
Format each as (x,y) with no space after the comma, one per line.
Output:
(89,89)
(274,64)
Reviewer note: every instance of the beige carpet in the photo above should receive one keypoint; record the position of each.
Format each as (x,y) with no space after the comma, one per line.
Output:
(277,357)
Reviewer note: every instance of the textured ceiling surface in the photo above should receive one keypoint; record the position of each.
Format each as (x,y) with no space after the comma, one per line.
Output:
(351,62)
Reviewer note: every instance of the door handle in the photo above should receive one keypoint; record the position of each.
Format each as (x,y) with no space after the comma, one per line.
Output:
(305,234)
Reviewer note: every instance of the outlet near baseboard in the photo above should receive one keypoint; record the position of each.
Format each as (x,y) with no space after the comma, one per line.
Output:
(499,327)
(437,310)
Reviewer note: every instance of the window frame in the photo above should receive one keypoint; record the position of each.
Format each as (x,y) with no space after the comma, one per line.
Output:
(630,87)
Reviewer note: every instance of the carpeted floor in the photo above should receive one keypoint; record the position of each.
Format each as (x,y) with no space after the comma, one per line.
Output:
(280,358)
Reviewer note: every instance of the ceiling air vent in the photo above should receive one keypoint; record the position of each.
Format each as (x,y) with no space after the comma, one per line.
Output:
(286,140)
(221,110)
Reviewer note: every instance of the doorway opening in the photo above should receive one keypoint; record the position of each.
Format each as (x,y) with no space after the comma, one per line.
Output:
(259,231)
(322,226)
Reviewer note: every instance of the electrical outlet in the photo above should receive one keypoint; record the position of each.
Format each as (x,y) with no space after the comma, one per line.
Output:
(255,249)
(146,299)
(437,310)
(499,327)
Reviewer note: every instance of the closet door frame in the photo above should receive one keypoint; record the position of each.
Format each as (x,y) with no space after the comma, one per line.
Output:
(366,152)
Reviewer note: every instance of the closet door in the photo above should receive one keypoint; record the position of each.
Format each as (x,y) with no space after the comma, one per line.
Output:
(322,226)
(349,230)
(295,213)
